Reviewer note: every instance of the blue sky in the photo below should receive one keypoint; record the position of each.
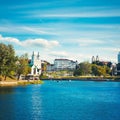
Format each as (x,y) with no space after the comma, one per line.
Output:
(73,29)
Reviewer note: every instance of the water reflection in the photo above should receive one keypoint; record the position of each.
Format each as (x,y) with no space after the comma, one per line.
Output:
(36,100)
(61,101)
(6,90)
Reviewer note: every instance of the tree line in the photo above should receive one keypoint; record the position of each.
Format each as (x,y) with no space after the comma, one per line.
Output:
(10,64)
(95,69)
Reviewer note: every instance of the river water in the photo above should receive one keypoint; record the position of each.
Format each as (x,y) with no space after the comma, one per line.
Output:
(75,100)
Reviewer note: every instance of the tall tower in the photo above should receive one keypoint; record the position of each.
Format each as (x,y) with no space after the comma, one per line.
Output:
(97,58)
(38,56)
(119,57)
(35,64)
(32,59)
(93,59)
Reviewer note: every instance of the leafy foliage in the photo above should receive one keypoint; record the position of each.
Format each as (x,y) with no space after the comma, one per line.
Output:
(84,69)
(22,66)
(7,60)
(100,70)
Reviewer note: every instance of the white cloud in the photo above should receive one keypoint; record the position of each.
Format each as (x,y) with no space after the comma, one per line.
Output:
(40,43)
(75,12)
(88,42)
(90,12)
(59,54)
(70,55)
(110,49)
(30,42)
(9,40)
(37,30)
(22,29)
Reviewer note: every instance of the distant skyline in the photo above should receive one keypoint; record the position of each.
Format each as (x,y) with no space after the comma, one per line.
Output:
(72,29)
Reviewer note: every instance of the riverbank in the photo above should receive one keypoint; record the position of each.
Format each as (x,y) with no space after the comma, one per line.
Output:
(20,82)
(13,82)
(87,78)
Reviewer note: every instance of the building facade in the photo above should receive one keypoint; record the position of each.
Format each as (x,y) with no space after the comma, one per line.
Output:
(50,67)
(118,69)
(35,64)
(118,65)
(62,64)
(119,57)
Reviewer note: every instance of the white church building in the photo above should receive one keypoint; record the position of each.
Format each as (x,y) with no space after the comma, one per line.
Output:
(35,64)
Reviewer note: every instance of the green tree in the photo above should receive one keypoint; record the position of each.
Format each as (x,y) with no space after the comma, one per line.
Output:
(77,72)
(22,66)
(7,60)
(100,70)
(84,69)
(95,69)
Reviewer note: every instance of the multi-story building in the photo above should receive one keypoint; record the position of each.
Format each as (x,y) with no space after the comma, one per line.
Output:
(118,65)
(119,57)
(50,67)
(62,64)
(118,69)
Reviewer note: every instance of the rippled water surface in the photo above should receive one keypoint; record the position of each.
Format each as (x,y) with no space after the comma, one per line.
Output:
(75,100)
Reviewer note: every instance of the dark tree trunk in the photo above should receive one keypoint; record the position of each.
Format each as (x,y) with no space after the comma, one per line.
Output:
(5,78)
(18,77)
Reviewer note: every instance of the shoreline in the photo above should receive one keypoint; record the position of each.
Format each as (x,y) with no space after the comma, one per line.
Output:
(19,83)
(83,79)
(26,82)
(4,83)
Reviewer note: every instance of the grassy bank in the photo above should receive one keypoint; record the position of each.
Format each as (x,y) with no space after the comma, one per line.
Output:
(25,82)
(19,83)
(14,82)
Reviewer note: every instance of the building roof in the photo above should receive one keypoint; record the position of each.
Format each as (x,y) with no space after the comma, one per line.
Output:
(61,59)
(64,60)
